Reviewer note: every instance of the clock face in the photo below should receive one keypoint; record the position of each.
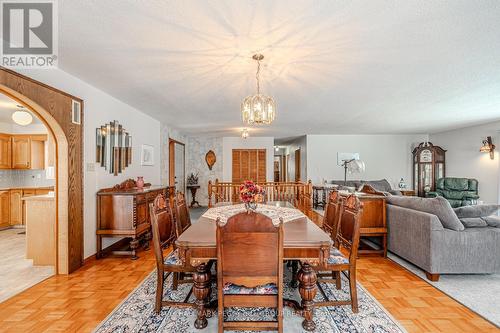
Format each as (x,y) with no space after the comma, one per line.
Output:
(426,156)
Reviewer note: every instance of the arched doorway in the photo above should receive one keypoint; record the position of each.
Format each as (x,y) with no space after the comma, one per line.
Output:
(53,107)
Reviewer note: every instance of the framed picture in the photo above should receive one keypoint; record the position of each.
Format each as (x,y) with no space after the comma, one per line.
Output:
(147,155)
(346,156)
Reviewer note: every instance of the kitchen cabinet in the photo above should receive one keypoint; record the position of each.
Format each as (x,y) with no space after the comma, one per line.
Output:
(22,151)
(4,209)
(5,151)
(16,207)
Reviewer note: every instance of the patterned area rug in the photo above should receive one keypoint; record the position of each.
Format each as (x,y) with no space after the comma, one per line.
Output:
(136,313)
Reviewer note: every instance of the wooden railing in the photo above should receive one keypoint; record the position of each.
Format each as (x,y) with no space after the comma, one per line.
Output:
(298,194)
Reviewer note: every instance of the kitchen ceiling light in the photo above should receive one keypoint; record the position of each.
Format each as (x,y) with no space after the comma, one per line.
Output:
(258,108)
(22,117)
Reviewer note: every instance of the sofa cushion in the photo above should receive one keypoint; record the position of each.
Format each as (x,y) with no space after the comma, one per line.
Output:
(438,206)
(473,222)
(476,211)
(492,221)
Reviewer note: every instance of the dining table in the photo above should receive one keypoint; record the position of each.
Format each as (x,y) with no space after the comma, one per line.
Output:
(303,242)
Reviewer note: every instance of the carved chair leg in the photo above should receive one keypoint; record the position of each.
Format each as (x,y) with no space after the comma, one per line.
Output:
(175,281)
(159,292)
(338,280)
(353,289)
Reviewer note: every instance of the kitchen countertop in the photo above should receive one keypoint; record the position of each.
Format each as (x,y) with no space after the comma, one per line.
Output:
(44,197)
(27,188)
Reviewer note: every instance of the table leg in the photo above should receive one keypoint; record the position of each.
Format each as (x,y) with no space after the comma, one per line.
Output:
(307,289)
(201,290)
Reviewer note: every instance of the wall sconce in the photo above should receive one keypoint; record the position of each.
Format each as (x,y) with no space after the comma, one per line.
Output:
(244,133)
(488,147)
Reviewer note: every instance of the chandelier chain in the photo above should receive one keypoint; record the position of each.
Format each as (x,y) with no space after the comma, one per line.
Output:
(257,77)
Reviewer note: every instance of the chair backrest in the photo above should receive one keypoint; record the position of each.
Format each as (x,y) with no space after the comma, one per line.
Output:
(249,251)
(331,220)
(162,227)
(182,218)
(349,225)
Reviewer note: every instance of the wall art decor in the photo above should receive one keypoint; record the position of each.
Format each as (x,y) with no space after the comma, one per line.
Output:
(113,147)
(210,159)
(147,155)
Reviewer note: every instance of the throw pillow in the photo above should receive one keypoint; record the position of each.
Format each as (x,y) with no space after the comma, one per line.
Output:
(476,211)
(493,221)
(438,206)
(473,222)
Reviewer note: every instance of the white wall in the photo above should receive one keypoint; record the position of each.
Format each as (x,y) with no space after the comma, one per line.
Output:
(101,108)
(463,158)
(385,156)
(230,143)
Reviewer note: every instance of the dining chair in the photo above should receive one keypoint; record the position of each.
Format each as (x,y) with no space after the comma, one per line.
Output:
(182,218)
(331,225)
(331,219)
(338,262)
(164,236)
(250,269)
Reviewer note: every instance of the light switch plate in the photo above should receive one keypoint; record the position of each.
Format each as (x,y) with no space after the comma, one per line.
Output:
(90,167)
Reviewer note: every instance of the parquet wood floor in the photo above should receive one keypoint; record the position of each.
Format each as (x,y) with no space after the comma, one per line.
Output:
(80,301)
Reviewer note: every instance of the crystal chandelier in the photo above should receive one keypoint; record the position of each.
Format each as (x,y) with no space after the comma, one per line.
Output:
(258,108)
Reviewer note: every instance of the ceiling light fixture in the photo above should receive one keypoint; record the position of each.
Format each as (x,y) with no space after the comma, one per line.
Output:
(244,133)
(22,117)
(258,108)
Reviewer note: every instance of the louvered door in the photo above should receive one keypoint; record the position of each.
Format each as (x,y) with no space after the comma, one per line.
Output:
(249,164)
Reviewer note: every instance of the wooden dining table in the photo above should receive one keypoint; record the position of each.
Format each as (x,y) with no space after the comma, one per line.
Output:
(304,242)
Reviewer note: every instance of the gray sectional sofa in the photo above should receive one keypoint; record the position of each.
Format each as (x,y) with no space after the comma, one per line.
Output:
(380,185)
(430,234)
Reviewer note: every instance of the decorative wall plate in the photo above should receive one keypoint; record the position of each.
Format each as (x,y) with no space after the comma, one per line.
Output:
(210,159)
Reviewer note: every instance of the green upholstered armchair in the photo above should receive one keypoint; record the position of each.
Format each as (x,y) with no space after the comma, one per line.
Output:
(458,191)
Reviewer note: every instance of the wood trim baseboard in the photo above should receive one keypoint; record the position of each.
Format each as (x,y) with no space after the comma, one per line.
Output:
(113,247)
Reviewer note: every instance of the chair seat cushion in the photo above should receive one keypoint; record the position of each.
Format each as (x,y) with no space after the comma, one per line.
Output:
(336,257)
(267,289)
(173,258)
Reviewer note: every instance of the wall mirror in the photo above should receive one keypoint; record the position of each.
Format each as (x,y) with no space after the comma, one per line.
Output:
(113,147)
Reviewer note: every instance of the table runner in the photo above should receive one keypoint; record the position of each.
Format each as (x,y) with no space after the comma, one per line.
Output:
(273,212)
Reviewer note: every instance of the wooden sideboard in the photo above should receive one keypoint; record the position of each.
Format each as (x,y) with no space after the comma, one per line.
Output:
(373,221)
(123,211)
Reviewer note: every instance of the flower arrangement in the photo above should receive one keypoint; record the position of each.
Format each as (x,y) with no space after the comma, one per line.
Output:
(251,194)
(192,179)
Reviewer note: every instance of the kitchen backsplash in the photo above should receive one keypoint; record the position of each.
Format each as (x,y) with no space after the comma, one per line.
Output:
(23,178)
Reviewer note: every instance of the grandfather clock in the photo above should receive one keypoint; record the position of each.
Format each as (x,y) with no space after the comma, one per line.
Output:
(428,166)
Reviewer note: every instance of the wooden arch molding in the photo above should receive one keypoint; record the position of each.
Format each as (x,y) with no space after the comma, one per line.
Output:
(53,107)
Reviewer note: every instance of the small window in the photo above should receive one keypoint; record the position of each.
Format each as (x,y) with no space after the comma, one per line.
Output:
(76,113)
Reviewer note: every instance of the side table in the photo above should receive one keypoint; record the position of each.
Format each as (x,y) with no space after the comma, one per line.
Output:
(193,189)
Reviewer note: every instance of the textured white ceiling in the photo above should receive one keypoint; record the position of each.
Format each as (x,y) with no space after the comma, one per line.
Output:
(7,107)
(332,66)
